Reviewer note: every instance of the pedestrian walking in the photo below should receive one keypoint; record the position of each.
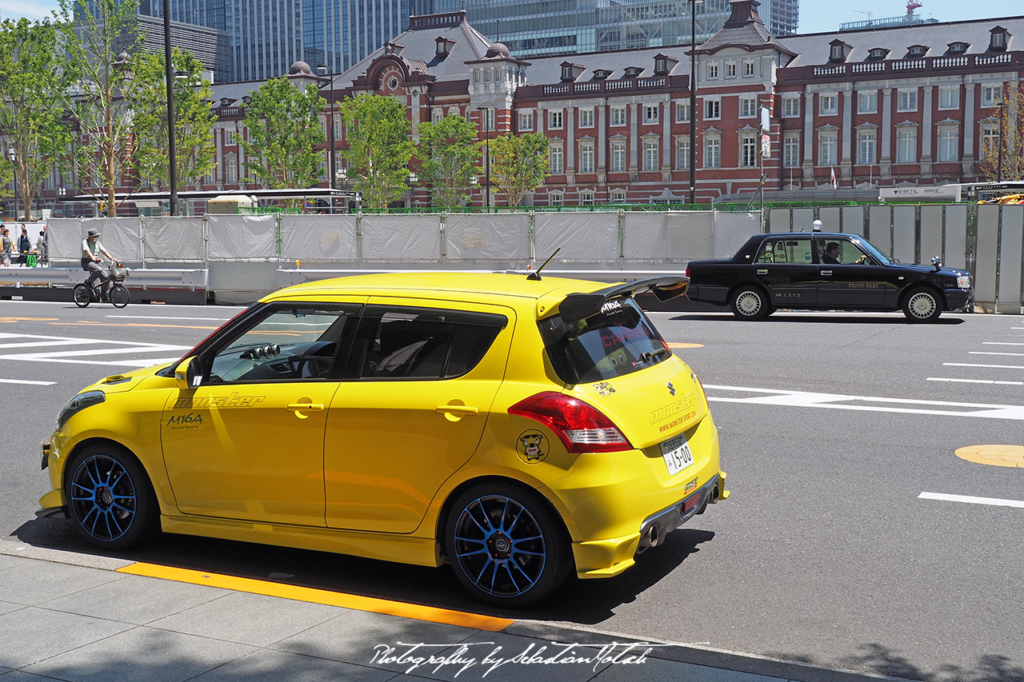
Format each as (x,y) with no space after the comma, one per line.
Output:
(24,246)
(41,246)
(6,247)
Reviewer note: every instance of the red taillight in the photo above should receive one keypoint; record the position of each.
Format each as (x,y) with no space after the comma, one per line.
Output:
(581,427)
(687,274)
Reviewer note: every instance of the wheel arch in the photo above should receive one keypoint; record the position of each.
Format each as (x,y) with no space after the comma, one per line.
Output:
(939,294)
(751,283)
(100,440)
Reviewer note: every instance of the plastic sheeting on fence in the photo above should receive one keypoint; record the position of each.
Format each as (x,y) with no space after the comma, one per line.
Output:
(668,237)
(582,237)
(121,237)
(405,238)
(498,237)
(319,238)
(174,239)
(239,237)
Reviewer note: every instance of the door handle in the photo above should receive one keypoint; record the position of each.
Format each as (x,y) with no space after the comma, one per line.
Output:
(461,410)
(826,272)
(762,271)
(299,408)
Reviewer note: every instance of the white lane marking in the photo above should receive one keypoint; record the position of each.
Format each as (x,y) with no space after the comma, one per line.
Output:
(160,317)
(978,381)
(70,356)
(28,383)
(982,352)
(846,402)
(964,364)
(37,344)
(996,502)
(1000,343)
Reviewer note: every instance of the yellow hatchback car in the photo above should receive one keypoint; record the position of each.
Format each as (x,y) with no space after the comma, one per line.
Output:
(515,427)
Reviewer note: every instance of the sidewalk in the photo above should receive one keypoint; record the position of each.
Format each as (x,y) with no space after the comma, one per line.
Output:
(85,618)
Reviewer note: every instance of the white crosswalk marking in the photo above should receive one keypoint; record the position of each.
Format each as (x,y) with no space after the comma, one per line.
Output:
(99,351)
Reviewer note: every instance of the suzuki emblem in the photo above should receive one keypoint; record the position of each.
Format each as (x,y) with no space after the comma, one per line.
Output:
(671,388)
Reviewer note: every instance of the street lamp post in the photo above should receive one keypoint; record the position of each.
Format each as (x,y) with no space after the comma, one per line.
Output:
(12,156)
(169,75)
(693,99)
(999,162)
(334,172)
(485,115)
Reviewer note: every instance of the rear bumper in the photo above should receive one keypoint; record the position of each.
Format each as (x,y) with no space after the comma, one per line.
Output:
(708,293)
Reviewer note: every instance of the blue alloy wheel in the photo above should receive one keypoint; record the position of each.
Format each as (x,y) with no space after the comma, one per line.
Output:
(103,498)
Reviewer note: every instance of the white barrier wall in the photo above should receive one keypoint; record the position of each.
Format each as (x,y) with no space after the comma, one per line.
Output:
(174,239)
(582,237)
(319,238)
(242,237)
(474,237)
(668,237)
(401,238)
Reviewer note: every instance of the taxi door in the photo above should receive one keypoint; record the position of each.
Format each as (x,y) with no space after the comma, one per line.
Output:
(857,281)
(414,410)
(785,267)
(247,444)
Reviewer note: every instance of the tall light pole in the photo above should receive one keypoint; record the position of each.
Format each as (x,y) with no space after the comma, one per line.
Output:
(169,76)
(693,99)
(330,73)
(485,116)
(999,163)
(12,156)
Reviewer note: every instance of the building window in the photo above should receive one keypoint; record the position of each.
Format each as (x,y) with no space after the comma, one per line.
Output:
(828,105)
(712,152)
(556,163)
(567,73)
(660,66)
(712,71)
(555,120)
(866,147)
(878,53)
(682,153)
(586,118)
(998,41)
(791,150)
(867,102)
(229,137)
(730,70)
(949,97)
(991,95)
(957,48)
(618,157)
(906,146)
(790,107)
(827,148)
(618,116)
(651,154)
(907,100)
(712,109)
(556,199)
(948,145)
(487,119)
(748,67)
(836,53)
(989,143)
(650,114)
(748,107)
(586,157)
(748,151)
(618,196)
(586,198)
(526,120)
(682,112)
(918,50)
(231,170)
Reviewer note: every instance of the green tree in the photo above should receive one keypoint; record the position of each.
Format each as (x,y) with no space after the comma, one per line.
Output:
(379,148)
(448,156)
(519,164)
(100,36)
(33,76)
(193,120)
(1009,134)
(284,130)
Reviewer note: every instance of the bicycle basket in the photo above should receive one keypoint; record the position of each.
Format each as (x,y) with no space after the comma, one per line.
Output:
(118,272)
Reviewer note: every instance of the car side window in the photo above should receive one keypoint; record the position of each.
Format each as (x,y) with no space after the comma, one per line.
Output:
(785,251)
(289,343)
(841,252)
(423,343)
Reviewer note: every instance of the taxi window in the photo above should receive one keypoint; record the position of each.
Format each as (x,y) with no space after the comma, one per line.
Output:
(785,251)
(842,252)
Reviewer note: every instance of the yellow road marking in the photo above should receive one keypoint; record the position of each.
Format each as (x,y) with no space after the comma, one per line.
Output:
(88,323)
(27,319)
(685,345)
(315,596)
(996,455)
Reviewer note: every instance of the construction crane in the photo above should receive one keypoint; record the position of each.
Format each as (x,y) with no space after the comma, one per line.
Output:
(911,6)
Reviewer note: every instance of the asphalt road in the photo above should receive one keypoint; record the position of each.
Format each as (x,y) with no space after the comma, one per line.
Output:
(832,426)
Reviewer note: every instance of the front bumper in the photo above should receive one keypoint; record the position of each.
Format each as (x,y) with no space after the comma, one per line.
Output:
(956,298)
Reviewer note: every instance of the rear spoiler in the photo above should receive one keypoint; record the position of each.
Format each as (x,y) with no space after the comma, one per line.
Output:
(575,307)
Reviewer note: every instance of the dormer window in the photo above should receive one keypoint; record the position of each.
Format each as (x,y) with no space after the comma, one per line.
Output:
(957,48)
(878,53)
(571,72)
(225,101)
(1000,38)
(633,71)
(660,67)
(247,100)
(443,46)
(917,51)
(567,73)
(601,74)
(837,51)
(663,64)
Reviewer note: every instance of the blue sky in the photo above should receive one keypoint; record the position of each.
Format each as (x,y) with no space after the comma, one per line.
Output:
(816,16)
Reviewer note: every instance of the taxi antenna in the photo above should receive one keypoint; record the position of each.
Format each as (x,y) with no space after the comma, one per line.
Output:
(535,275)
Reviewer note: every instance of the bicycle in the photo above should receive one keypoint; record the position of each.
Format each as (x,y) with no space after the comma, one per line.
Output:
(118,294)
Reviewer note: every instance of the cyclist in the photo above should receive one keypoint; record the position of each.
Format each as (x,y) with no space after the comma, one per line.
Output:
(91,250)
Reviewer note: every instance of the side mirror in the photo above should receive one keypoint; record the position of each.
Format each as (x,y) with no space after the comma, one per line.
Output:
(189,374)
(937,262)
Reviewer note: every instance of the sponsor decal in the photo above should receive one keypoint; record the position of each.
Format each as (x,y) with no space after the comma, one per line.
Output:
(233,400)
(676,422)
(690,486)
(672,409)
(532,447)
(854,285)
(185,421)
(604,388)
(611,306)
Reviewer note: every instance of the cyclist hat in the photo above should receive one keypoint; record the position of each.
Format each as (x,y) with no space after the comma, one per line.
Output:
(93,232)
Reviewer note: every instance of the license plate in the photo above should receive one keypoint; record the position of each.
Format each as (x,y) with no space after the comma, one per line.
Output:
(676,452)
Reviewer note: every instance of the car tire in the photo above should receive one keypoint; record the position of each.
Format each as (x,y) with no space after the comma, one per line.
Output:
(110,499)
(750,303)
(505,544)
(922,304)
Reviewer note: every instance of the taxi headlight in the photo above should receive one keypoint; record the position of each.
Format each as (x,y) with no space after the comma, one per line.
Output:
(963,281)
(77,404)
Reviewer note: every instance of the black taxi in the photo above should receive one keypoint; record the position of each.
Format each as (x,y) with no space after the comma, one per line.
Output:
(825,271)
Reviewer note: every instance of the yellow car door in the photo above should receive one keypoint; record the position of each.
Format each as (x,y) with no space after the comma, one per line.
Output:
(247,443)
(413,413)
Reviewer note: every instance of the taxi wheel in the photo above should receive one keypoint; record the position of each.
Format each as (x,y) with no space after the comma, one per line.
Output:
(505,545)
(750,303)
(111,501)
(922,305)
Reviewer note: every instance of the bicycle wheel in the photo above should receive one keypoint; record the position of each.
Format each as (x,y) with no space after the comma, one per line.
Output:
(119,295)
(82,295)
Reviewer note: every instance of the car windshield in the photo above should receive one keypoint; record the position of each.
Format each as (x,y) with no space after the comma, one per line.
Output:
(617,341)
(870,248)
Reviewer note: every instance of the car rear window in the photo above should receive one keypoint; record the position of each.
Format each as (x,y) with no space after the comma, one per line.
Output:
(617,341)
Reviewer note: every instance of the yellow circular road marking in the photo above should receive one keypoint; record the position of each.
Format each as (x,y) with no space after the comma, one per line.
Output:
(996,455)
(686,345)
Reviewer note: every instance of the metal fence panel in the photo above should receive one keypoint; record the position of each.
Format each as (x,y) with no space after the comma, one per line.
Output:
(64,239)
(879,224)
(668,237)
(497,237)
(778,220)
(406,238)
(931,233)
(904,225)
(986,256)
(121,237)
(238,237)
(830,219)
(583,237)
(803,220)
(1011,251)
(853,220)
(174,239)
(732,230)
(319,238)
(955,255)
